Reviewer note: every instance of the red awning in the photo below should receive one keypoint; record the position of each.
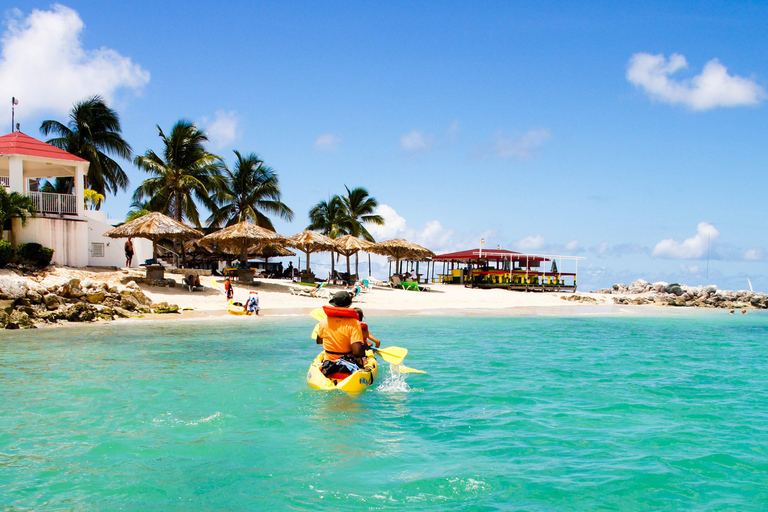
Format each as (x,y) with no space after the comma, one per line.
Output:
(487,254)
(17,143)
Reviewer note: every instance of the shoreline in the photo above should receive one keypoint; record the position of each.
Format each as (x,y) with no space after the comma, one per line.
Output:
(277,301)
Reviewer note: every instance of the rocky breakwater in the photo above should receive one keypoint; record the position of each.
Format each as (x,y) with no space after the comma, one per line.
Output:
(26,302)
(675,294)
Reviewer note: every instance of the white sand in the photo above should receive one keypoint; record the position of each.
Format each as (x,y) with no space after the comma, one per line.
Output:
(276,299)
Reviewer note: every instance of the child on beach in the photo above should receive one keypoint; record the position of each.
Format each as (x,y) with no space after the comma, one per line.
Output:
(366,335)
(229,289)
(252,306)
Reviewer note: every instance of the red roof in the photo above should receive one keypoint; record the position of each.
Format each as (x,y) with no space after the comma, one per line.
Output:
(488,254)
(17,143)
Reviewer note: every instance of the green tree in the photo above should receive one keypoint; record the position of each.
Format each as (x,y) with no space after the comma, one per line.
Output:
(58,186)
(330,218)
(93,199)
(249,192)
(93,133)
(186,172)
(359,208)
(14,205)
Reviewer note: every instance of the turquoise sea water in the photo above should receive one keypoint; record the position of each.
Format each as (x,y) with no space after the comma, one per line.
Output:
(517,413)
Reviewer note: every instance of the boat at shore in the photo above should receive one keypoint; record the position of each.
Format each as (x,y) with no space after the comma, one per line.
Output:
(354,382)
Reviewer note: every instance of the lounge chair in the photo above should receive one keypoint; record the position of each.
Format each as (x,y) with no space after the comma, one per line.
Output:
(366,286)
(321,291)
(192,281)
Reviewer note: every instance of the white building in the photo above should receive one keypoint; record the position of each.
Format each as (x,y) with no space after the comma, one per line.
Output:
(62,223)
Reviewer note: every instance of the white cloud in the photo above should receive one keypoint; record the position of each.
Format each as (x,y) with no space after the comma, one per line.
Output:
(689,269)
(758,254)
(529,244)
(692,248)
(415,142)
(44,65)
(714,87)
(393,226)
(223,129)
(573,246)
(520,147)
(603,248)
(327,142)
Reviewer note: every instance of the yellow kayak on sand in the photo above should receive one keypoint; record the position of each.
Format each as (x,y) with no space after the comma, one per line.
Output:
(352,383)
(235,308)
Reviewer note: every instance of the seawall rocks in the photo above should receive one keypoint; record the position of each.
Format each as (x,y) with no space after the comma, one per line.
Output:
(681,295)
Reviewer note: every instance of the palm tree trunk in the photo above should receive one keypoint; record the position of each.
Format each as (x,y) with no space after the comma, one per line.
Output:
(357,263)
(347,265)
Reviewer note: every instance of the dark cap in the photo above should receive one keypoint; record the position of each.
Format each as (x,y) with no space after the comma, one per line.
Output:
(341,299)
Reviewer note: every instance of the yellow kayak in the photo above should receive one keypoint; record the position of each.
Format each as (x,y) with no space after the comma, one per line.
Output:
(235,308)
(352,383)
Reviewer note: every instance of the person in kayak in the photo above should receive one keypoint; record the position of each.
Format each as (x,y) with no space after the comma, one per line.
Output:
(366,335)
(340,333)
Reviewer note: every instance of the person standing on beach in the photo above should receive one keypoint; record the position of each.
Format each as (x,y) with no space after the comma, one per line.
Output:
(128,252)
(229,289)
(252,306)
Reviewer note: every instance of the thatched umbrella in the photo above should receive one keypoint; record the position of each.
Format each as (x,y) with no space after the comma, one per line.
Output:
(309,242)
(398,249)
(239,238)
(154,226)
(348,245)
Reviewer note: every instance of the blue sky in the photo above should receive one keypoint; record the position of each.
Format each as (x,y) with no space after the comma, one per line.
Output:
(628,133)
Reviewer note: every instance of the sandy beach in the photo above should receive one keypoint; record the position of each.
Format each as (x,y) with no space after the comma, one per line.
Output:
(276,298)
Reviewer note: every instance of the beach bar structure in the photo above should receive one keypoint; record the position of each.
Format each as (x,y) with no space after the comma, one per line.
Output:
(499,268)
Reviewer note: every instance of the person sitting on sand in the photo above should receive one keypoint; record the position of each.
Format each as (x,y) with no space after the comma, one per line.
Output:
(252,306)
(340,333)
(366,335)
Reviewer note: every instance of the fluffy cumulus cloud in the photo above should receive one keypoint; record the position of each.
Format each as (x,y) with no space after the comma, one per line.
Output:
(520,147)
(327,142)
(415,142)
(691,248)
(44,65)
(713,87)
(530,244)
(223,129)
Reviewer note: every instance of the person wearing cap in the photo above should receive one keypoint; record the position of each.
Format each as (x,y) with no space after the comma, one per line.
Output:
(340,333)
(252,306)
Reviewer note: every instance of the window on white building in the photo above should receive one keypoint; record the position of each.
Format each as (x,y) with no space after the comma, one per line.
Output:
(97,250)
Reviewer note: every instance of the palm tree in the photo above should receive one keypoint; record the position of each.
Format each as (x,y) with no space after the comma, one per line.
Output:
(93,198)
(14,205)
(58,186)
(329,217)
(248,193)
(360,209)
(93,133)
(185,172)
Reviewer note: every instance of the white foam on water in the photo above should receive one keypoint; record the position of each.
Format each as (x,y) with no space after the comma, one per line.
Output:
(395,381)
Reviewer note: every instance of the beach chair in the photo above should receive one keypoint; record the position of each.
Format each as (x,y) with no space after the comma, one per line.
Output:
(321,292)
(366,286)
(300,291)
(396,283)
(410,285)
(192,283)
(357,294)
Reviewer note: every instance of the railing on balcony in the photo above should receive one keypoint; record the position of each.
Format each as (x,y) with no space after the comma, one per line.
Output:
(5,181)
(46,202)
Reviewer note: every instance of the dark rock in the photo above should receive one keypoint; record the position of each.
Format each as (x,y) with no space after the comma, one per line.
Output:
(52,301)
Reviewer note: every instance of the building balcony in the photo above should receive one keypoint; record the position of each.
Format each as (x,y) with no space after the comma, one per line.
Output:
(60,204)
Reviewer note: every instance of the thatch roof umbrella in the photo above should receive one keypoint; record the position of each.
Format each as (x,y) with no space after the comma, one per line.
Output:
(309,242)
(154,226)
(348,245)
(398,249)
(239,238)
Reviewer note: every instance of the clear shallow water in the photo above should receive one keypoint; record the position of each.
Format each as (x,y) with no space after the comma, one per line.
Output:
(527,413)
